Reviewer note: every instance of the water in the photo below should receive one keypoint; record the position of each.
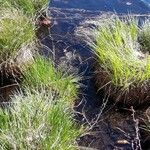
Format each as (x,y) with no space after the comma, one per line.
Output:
(147,2)
(72,54)
(119,6)
(67,15)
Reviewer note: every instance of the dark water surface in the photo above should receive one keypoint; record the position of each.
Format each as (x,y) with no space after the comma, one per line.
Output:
(73,55)
(120,6)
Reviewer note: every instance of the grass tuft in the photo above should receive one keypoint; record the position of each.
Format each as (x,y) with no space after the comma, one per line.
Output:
(39,116)
(144,36)
(119,51)
(43,74)
(16,30)
(29,7)
(36,121)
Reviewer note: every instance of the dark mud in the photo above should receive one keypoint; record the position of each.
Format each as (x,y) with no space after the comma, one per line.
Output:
(110,127)
(10,76)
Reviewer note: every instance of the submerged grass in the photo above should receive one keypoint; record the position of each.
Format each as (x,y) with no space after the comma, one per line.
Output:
(37,121)
(43,74)
(16,30)
(119,52)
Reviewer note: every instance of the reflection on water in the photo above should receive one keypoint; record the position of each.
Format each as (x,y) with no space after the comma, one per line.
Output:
(147,2)
(119,6)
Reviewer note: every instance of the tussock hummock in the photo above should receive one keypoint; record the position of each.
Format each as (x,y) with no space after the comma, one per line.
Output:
(36,120)
(123,69)
(16,30)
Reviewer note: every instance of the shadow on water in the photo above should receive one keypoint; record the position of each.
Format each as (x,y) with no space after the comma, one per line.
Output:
(72,54)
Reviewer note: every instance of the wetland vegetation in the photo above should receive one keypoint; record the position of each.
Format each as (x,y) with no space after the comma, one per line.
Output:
(39,111)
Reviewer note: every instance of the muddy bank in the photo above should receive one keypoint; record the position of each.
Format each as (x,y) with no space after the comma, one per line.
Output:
(113,130)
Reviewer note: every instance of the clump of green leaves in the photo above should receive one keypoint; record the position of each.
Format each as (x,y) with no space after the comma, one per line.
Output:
(118,51)
(36,120)
(15,31)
